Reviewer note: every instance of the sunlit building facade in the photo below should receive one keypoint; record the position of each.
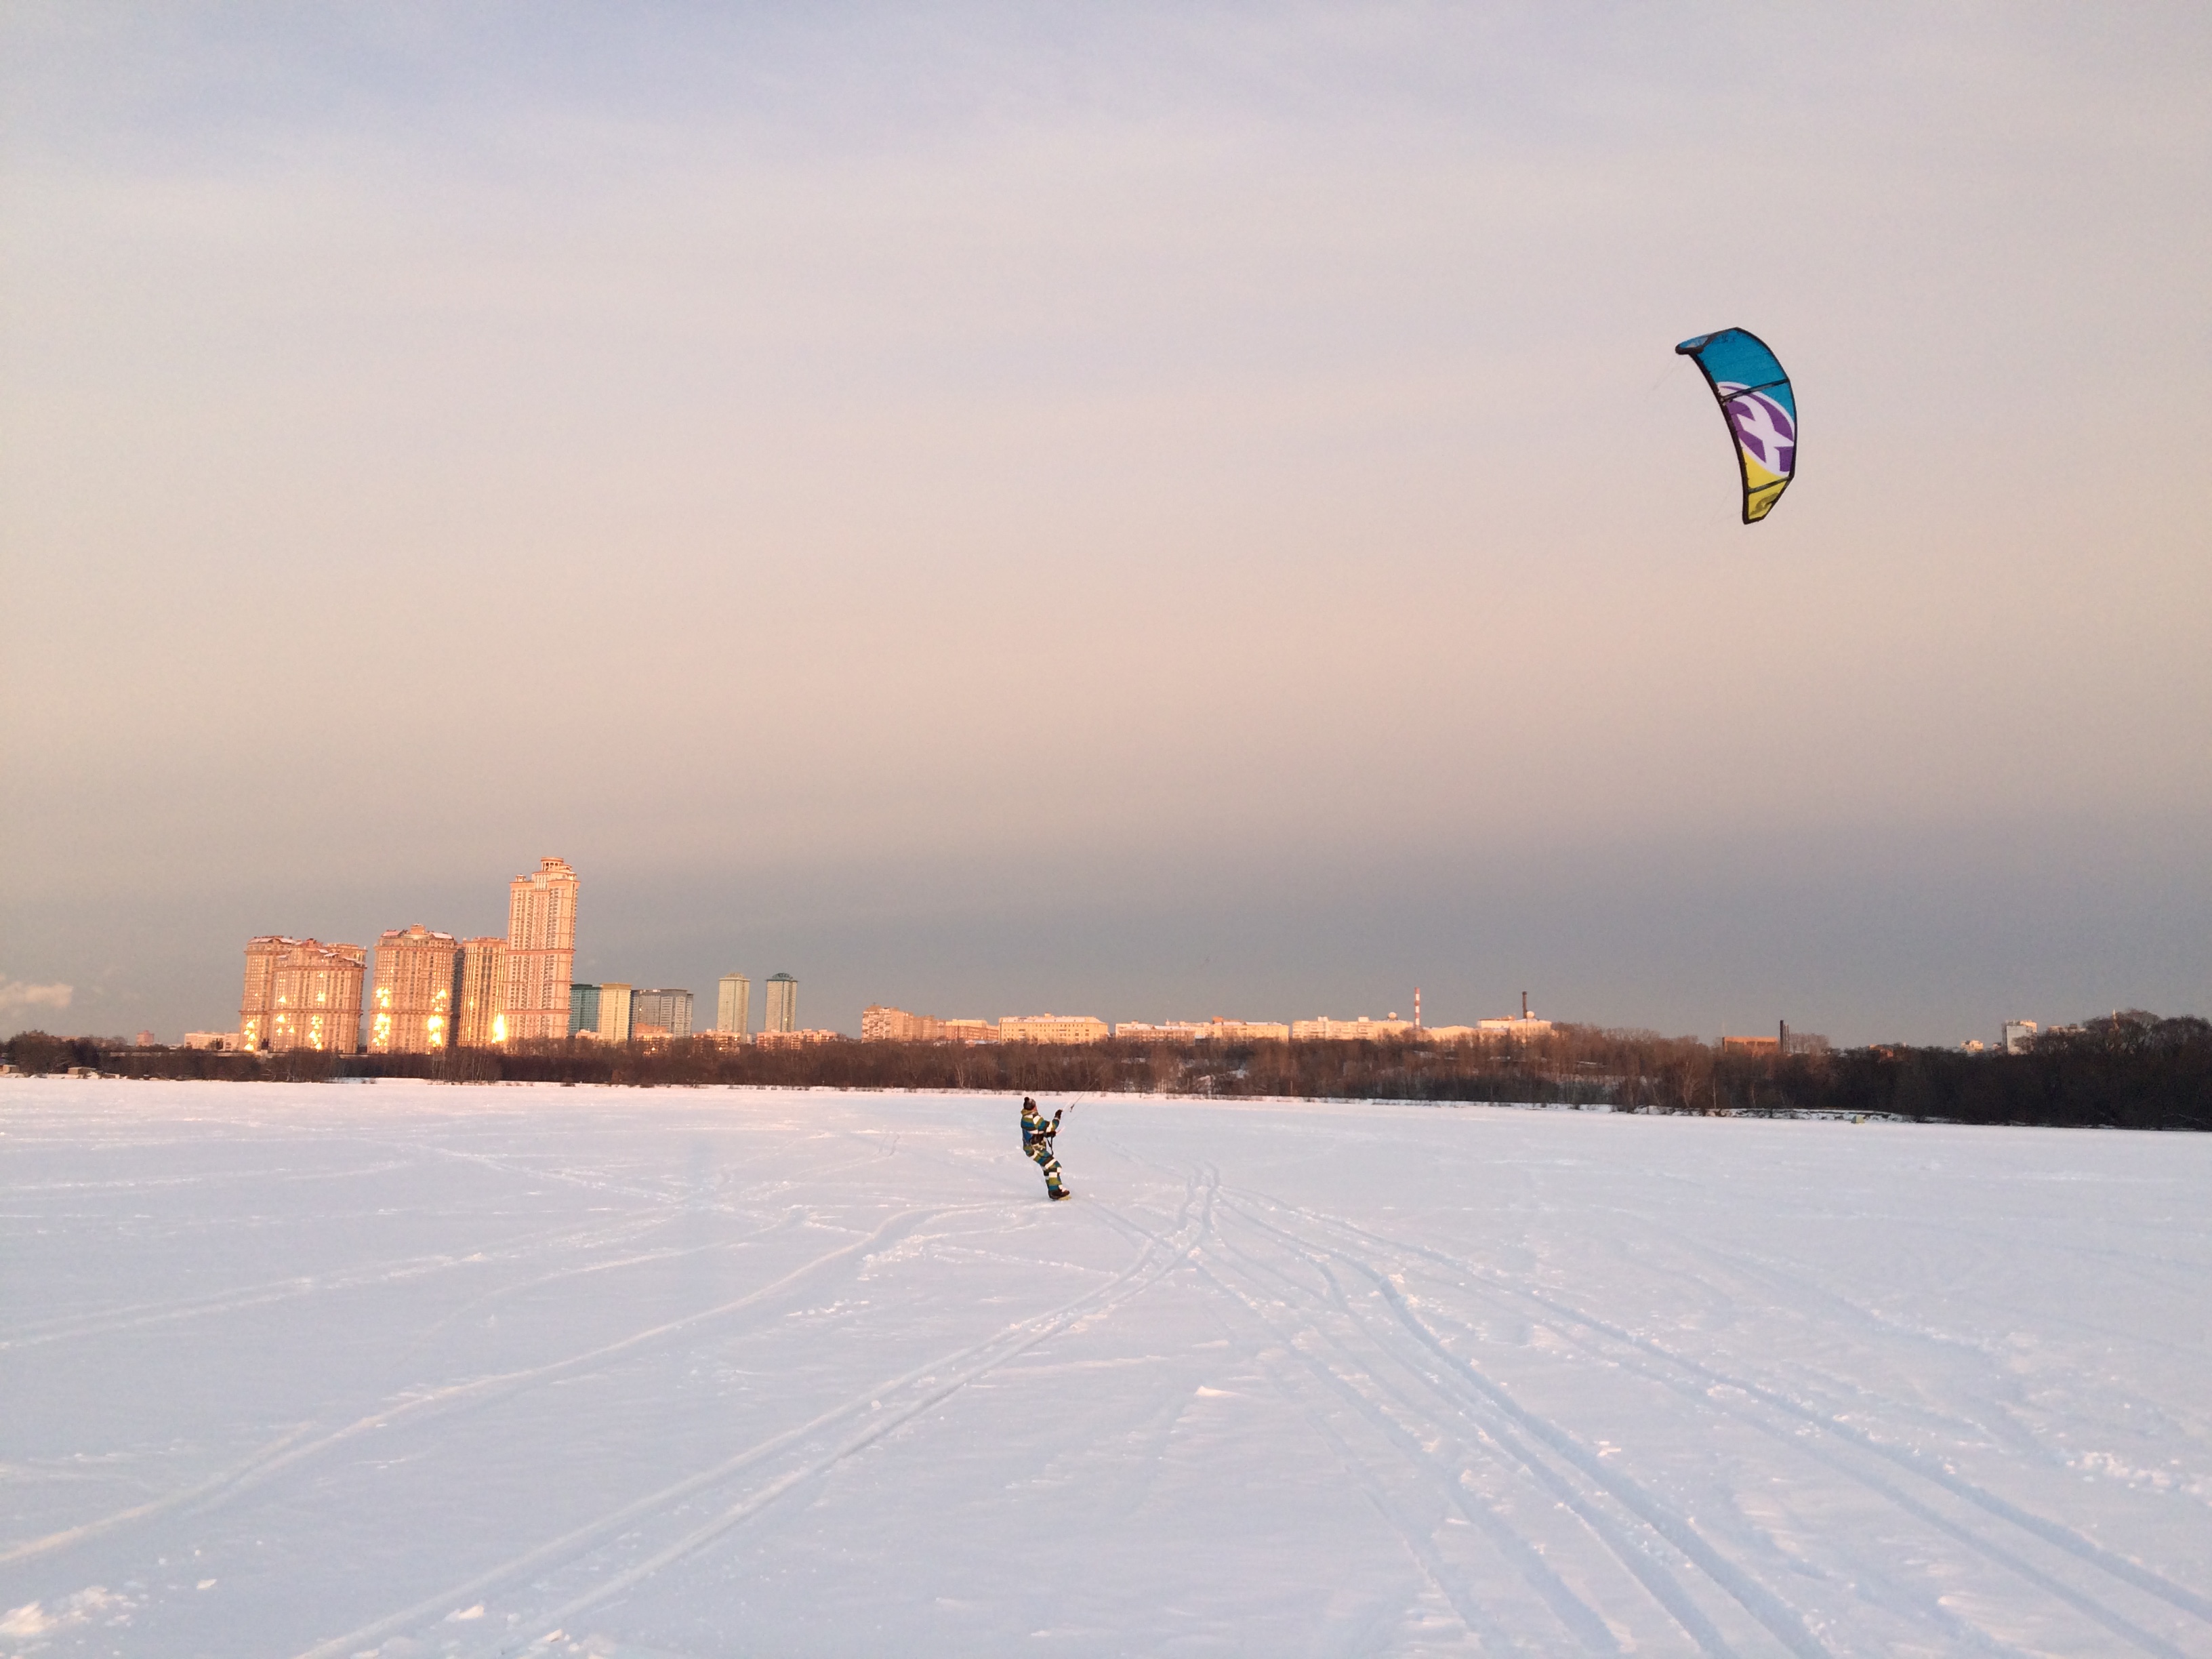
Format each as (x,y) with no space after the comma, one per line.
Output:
(879,1024)
(1052,1028)
(480,1011)
(301,993)
(1521,1028)
(541,951)
(882,1023)
(796,1039)
(411,999)
(1362,1030)
(615,1003)
(781,1014)
(733,1004)
(1204,1031)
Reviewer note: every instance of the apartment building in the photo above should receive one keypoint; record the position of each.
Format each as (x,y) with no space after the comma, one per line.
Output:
(301,993)
(661,1012)
(781,1014)
(1362,1030)
(1052,1028)
(733,1004)
(1203,1031)
(880,1024)
(480,1014)
(541,951)
(411,998)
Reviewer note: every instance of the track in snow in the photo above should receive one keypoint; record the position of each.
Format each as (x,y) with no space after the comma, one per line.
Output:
(406,1370)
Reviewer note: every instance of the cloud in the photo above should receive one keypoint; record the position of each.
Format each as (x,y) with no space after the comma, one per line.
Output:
(15,994)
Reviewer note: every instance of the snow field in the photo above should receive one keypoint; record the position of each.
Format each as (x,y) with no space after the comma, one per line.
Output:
(407,1370)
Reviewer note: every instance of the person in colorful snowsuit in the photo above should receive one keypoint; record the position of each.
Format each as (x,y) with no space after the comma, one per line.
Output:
(1037,1130)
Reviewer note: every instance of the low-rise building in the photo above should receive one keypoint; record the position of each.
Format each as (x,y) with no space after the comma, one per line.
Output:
(1052,1028)
(1514,1028)
(1203,1031)
(882,1023)
(1362,1030)
(795,1039)
(1165,1030)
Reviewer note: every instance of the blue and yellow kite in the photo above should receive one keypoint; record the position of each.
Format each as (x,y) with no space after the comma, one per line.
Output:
(1759,407)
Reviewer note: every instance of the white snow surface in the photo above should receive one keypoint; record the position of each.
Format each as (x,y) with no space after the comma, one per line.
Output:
(410,1370)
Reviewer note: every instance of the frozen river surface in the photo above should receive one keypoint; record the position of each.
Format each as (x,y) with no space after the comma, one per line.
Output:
(406,1369)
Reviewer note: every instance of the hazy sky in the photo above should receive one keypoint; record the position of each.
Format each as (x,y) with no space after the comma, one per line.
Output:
(1150,512)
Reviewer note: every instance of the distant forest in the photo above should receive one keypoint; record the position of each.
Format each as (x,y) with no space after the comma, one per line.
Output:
(2130,1070)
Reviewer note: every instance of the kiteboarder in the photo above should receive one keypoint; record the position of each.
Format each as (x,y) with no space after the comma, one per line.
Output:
(1037,1130)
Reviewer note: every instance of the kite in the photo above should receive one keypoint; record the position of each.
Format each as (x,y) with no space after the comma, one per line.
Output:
(1761,410)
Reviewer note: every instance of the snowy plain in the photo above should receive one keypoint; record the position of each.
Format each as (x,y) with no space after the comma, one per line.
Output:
(402,1369)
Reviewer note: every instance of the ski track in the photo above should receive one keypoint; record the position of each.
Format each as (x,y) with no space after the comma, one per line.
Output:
(1339,1372)
(1487,1474)
(1696,1382)
(1649,1570)
(37,1334)
(1704,1377)
(473,1395)
(968,1366)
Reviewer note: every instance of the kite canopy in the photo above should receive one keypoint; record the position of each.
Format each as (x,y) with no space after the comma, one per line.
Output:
(1759,407)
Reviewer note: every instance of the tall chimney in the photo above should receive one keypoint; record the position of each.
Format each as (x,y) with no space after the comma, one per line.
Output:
(1524,1004)
(1417,1007)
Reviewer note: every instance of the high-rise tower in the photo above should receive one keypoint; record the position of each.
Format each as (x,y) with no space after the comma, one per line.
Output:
(301,993)
(480,1018)
(410,1007)
(733,1007)
(781,1014)
(665,1009)
(541,951)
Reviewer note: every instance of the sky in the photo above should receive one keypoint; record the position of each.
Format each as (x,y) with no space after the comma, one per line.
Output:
(1145,511)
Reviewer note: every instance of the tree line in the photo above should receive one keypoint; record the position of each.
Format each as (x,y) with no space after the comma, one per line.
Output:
(2129,1070)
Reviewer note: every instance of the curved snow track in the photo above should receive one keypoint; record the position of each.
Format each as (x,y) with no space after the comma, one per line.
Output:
(412,1370)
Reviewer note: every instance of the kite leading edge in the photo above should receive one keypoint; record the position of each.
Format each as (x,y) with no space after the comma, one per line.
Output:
(1761,410)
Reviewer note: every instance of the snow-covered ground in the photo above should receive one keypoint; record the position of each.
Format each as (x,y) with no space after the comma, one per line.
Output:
(408,1370)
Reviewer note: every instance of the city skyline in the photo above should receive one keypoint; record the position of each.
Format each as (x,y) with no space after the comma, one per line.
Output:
(422,989)
(545,905)
(1198,507)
